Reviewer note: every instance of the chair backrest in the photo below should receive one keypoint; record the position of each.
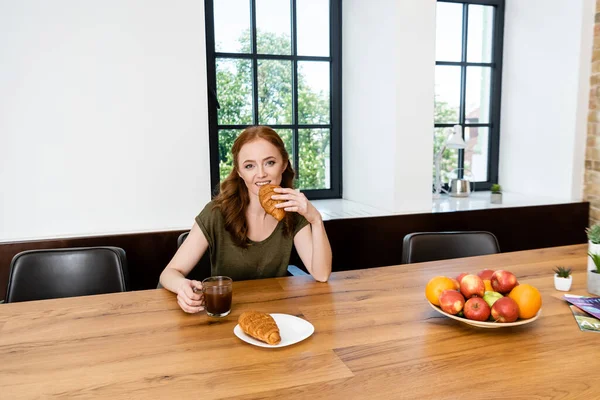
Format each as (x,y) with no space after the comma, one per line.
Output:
(56,273)
(182,238)
(432,246)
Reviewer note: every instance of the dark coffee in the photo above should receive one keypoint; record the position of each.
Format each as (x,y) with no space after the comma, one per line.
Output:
(217,300)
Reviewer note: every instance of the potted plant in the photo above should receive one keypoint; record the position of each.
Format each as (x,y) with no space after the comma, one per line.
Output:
(593,235)
(496,194)
(562,278)
(593,282)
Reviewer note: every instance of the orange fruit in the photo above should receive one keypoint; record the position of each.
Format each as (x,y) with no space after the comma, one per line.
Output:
(437,285)
(528,298)
(488,285)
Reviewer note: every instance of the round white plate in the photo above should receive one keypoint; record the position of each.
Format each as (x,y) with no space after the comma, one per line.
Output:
(485,324)
(291,329)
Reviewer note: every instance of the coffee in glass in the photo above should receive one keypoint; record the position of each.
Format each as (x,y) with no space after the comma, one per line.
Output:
(218,292)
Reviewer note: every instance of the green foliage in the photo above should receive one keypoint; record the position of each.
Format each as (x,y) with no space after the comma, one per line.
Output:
(596,259)
(234,85)
(442,113)
(314,143)
(496,188)
(234,89)
(593,234)
(562,272)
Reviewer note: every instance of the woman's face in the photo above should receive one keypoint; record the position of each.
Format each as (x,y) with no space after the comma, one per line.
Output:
(260,163)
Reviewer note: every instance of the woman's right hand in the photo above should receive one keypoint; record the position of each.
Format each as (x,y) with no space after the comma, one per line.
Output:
(190,297)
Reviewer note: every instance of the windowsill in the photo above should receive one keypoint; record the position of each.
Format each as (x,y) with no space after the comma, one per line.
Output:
(481,201)
(340,208)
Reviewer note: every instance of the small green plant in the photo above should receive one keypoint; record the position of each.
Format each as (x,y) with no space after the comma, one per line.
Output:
(593,234)
(562,272)
(596,259)
(496,188)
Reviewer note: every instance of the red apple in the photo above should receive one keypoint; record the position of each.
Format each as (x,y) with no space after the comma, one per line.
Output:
(477,309)
(459,278)
(451,301)
(486,274)
(505,310)
(503,281)
(472,285)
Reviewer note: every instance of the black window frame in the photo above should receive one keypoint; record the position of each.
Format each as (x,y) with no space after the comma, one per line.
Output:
(495,87)
(335,124)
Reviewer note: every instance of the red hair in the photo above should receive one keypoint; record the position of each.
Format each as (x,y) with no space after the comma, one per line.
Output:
(233,198)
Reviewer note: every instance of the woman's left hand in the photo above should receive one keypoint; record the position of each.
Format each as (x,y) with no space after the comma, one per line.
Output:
(297,202)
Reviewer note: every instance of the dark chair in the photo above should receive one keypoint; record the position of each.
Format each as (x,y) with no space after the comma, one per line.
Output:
(56,273)
(292,269)
(432,246)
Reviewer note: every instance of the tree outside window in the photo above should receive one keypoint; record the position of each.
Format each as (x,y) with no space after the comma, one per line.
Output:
(280,73)
(467,86)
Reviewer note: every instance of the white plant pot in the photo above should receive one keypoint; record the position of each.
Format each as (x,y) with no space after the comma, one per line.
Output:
(496,198)
(594,249)
(593,283)
(563,284)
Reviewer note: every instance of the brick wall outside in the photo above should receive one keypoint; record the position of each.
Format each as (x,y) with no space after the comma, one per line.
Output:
(591,188)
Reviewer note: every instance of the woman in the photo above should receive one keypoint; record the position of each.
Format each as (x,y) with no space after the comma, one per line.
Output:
(244,241)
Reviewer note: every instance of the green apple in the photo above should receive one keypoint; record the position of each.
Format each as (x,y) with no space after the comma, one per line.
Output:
(491,297)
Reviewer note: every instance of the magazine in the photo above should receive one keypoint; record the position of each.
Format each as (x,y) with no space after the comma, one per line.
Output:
(586,322)
(591,305)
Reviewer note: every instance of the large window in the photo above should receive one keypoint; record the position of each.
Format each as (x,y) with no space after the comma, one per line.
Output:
(277,63)
(467,86)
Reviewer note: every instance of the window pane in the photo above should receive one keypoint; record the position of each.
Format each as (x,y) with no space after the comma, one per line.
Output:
(287,135)
(313,92)
(447,94)
(448,32)
(274,92)
(232,26)
(477,102)
(234,91)
(476,153)
(479,41)
(312,27)
(449,159)
(315,162)
(273,27)
(226,139)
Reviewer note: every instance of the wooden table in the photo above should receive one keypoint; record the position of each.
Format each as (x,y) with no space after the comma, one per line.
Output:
(375,337)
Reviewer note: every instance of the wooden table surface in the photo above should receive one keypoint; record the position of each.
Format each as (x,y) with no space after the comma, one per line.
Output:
(375,337)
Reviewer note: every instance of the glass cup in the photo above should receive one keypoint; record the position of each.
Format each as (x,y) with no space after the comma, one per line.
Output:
(218,291)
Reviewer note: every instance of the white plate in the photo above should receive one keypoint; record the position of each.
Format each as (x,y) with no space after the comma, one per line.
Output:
(291,329)
(483,324)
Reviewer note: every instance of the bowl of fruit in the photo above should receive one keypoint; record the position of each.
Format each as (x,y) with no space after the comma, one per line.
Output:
(490,299)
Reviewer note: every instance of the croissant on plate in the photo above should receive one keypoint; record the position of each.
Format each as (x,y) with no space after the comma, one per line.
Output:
(260,326)
(264,195)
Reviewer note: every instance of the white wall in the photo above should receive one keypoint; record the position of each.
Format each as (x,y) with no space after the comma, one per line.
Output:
(103,123)
(104,104)
(546,72)
(388,61)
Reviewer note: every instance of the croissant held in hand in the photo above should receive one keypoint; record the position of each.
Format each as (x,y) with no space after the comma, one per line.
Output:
(260,326)
(264,195)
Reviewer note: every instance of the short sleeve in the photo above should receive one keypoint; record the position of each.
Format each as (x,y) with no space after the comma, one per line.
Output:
(206,220)
(301,222)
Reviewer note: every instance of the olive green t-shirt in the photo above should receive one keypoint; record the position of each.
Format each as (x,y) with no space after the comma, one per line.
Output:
(265,259)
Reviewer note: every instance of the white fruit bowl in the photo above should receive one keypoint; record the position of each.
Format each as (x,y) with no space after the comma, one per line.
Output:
(485,324)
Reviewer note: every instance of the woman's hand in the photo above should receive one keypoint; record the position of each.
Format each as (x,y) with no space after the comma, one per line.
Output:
(190,297)
(297,202)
